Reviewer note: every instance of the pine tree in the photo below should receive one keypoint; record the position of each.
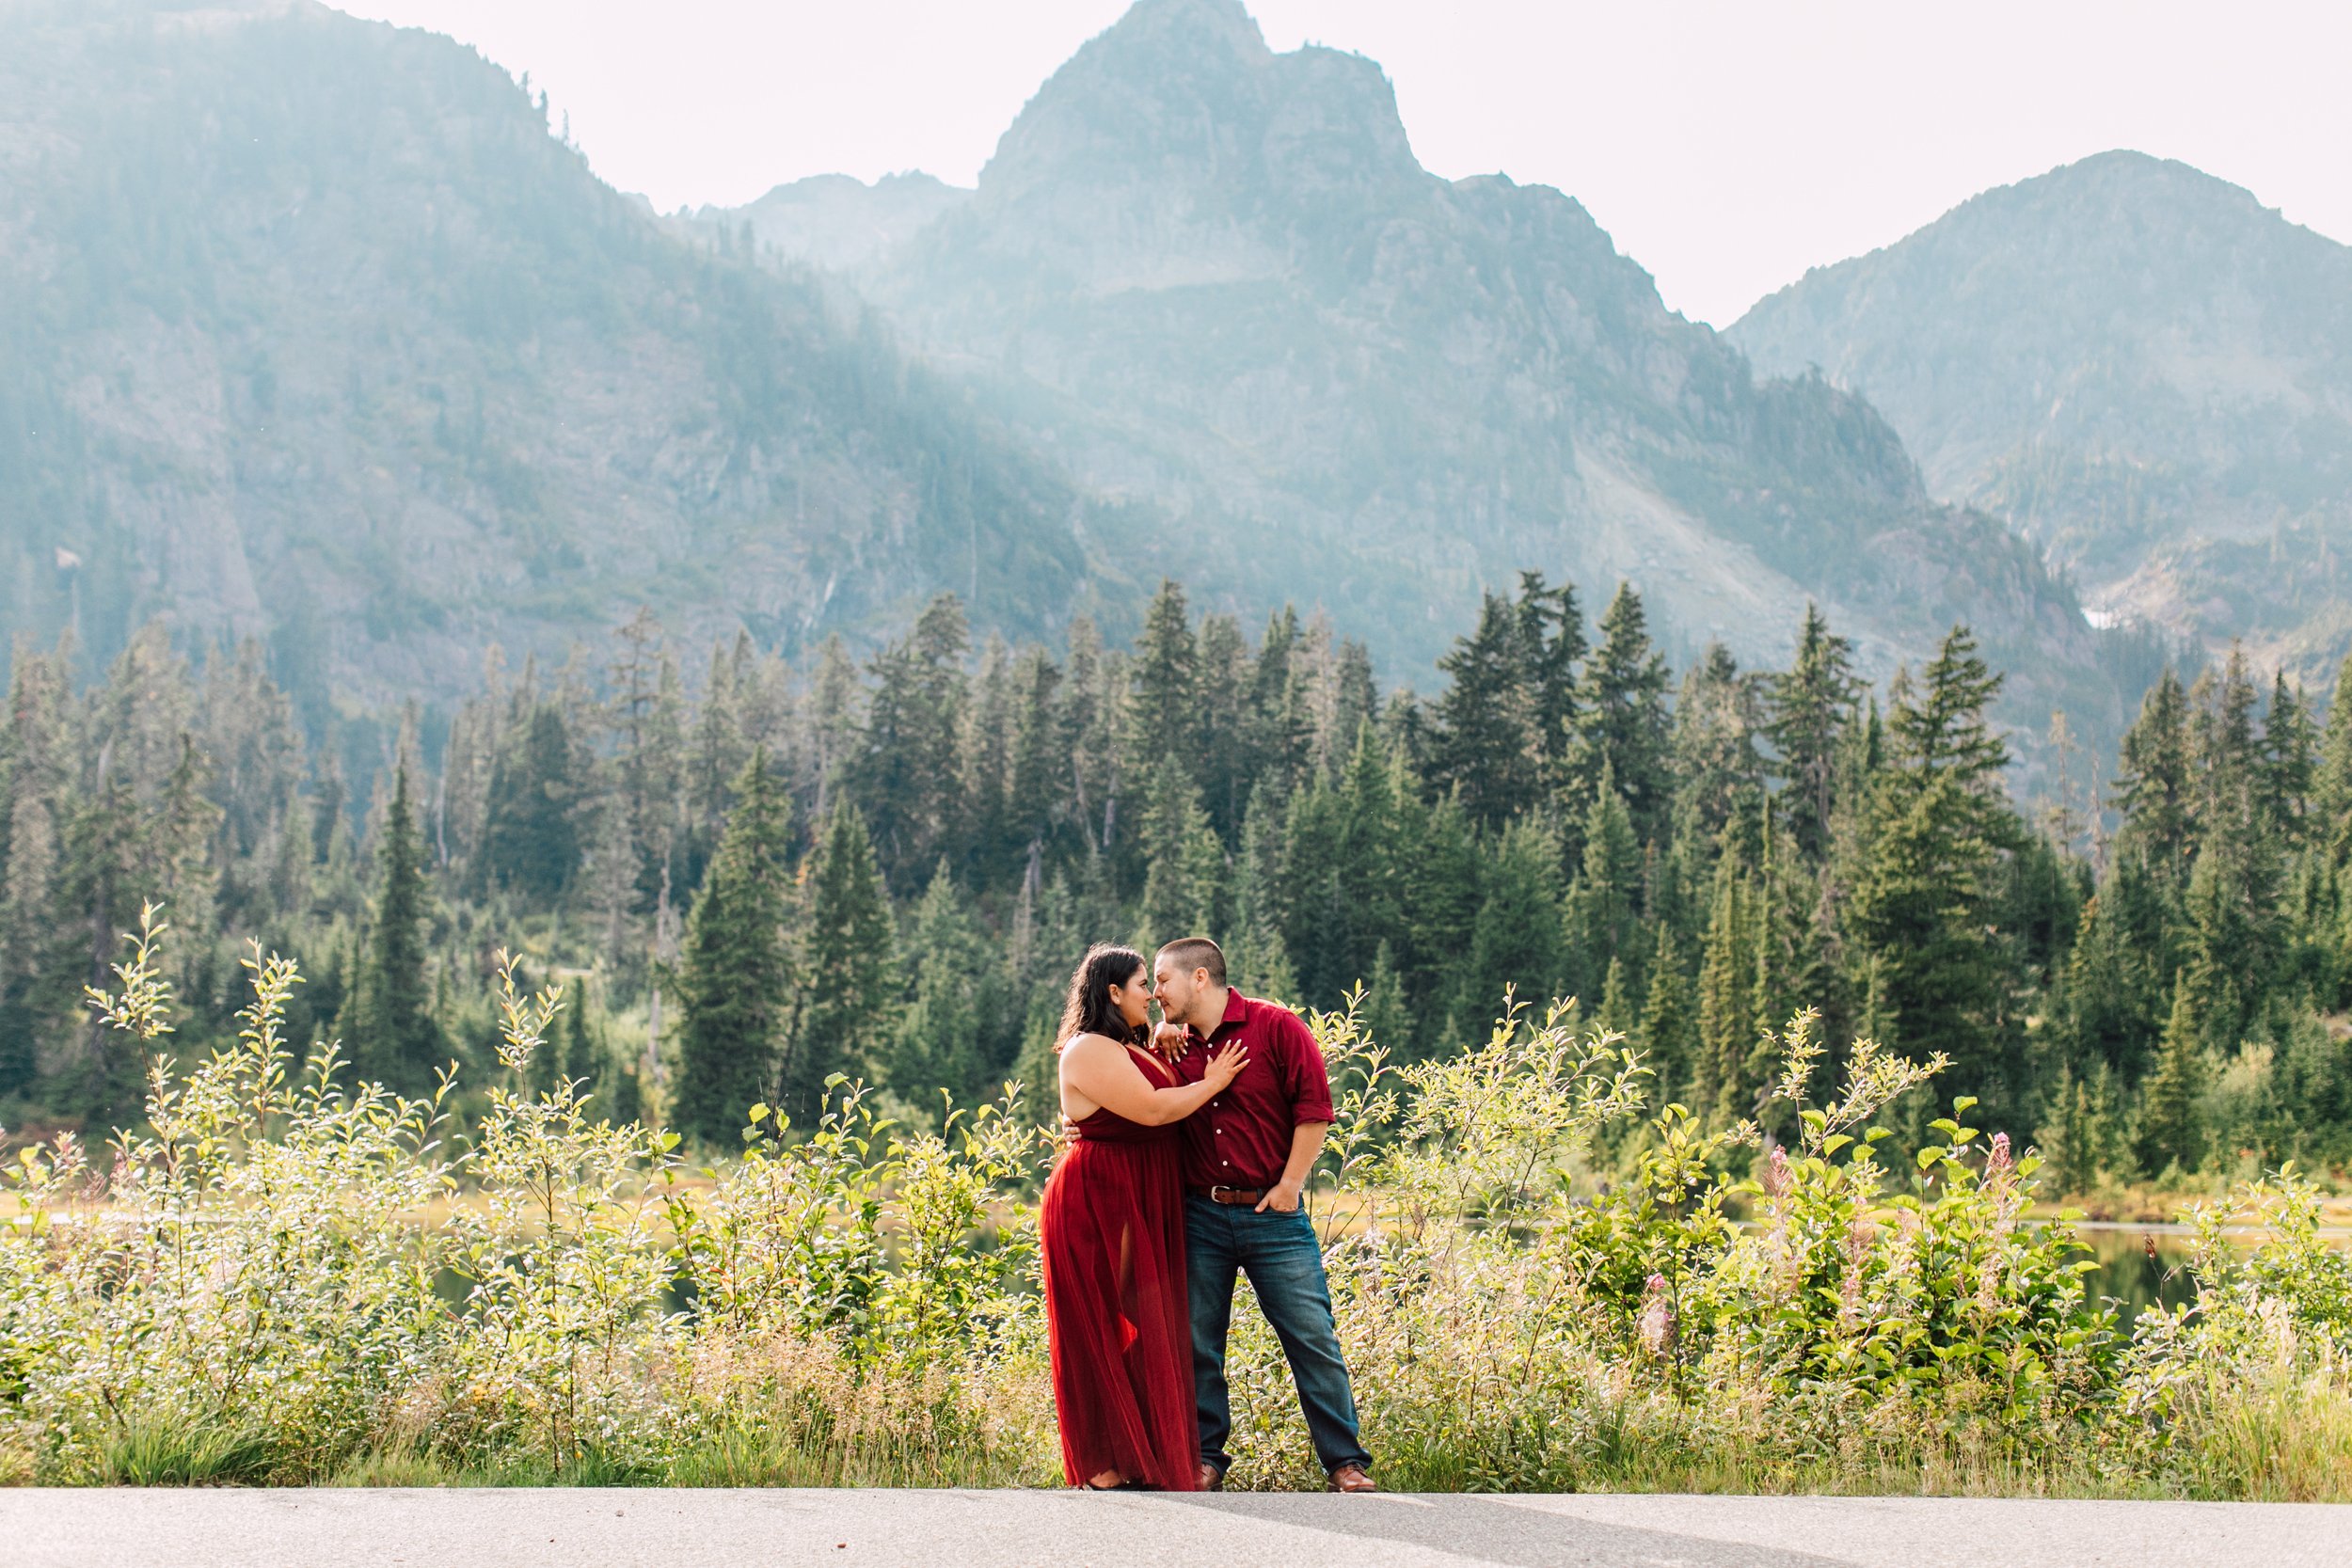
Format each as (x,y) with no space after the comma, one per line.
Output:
(847,967)
(1667,1035)
(2069,1144)
(1441,867)
(39,975)
(834,721)
(1925,901)
(1726,1009)
(392,1033)
(1484,744)
(1551,648)
(2171,1124)
(735,977)
(907,781)
(2227,757)
(530,842)
(1388,1020)
(1623,721)
(1257,959)
(2231,946)
(1603,904)
(1162,717)
(1278,727)
(1091,715)
(939,1040)
(986,757)
(1717,770)
(1355,703)
(2331,792)
(2289,763)
(1183,881)
(1515,940)
(1037,786)
(2114,995)
(2156,787)
(1809,707)
(1616,1013)
(645,722)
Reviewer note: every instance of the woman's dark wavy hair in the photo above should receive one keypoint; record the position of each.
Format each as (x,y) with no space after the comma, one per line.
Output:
(1089,1010)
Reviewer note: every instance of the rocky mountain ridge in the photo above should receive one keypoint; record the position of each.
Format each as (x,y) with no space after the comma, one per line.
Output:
(2138,365)
(319,337)
(1213,280)
(330,343)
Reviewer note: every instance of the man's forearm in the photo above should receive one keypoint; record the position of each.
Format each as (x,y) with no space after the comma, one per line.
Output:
(1306,1148)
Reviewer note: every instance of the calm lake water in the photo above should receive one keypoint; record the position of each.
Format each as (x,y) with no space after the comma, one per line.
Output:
(2131,1276)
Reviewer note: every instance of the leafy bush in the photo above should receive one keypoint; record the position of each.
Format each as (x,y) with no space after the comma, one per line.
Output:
(288,1278)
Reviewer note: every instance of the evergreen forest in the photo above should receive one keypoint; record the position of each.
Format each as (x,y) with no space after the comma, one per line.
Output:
(752,873)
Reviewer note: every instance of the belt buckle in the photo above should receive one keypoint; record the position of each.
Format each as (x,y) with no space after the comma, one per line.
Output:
(1217,1192)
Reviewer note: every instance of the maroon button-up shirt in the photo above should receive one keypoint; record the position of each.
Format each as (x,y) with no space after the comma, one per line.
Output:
(1242,1138)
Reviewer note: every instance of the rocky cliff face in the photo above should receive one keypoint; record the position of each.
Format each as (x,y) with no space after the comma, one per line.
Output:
(315,334)
(2139,366)
(1213,278)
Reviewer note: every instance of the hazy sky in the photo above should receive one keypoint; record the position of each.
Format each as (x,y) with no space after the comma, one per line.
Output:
(1726,145)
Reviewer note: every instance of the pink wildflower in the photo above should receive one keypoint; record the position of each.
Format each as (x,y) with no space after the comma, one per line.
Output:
(1656,1325)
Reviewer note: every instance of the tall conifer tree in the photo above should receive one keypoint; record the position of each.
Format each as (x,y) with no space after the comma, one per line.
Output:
(1622,723)
(1484,745)
(1925,903)
(735,977)
(1809,707)
(848,967)
(392,1034)
(2171,1126)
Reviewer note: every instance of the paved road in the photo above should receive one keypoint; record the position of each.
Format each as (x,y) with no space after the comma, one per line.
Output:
(1018,1529)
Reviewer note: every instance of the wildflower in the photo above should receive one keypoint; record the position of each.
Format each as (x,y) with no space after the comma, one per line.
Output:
(1849,1296)
(1656,1325)
(1777,1172)
(1998,1160)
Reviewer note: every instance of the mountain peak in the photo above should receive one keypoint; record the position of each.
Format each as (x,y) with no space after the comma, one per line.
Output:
(2122,184)
(1185,98)
(1191,24)
(2137,362)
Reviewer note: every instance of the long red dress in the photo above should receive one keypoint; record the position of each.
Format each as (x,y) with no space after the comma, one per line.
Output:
(1112,1233)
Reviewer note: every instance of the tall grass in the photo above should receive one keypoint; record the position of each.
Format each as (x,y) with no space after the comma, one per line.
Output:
(287,1276)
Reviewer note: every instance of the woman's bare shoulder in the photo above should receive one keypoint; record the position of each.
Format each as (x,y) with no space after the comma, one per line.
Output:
(1094,1045)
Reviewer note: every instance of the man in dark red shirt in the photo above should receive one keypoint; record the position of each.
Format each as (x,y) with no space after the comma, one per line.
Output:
(1246,1157)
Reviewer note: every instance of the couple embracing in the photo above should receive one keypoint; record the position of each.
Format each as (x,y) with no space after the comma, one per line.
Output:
(1189,1150)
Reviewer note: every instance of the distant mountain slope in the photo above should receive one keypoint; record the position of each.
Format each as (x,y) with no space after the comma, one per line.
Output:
(839,223)
(2141,366)
(1213,278)
(313,333)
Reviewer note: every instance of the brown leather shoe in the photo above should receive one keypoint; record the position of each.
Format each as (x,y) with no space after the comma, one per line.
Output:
(1351,1478)
(1211,1478)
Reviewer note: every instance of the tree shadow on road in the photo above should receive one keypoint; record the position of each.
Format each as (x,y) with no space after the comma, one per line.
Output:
(1482,1530)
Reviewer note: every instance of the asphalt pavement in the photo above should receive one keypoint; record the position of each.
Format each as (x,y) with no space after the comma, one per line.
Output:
(669,1528)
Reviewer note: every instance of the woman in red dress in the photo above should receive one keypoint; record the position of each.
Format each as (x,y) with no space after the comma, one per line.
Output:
(1112,1232)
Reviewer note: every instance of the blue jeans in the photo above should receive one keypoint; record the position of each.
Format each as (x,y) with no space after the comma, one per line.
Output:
(1280,1254)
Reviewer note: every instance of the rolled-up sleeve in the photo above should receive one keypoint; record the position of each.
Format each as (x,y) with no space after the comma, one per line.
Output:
(1302,1060)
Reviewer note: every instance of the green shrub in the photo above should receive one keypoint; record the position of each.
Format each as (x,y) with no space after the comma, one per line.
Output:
(287,1277)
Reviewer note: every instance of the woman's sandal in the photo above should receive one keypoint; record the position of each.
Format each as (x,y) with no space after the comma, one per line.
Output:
(1123,1486)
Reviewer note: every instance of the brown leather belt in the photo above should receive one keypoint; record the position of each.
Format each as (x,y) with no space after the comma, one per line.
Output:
(1251,1195)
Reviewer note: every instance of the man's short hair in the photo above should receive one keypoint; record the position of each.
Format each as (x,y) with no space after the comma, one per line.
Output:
(1190,952)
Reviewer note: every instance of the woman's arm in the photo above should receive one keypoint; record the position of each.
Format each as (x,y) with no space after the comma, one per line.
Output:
(1104,1072)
